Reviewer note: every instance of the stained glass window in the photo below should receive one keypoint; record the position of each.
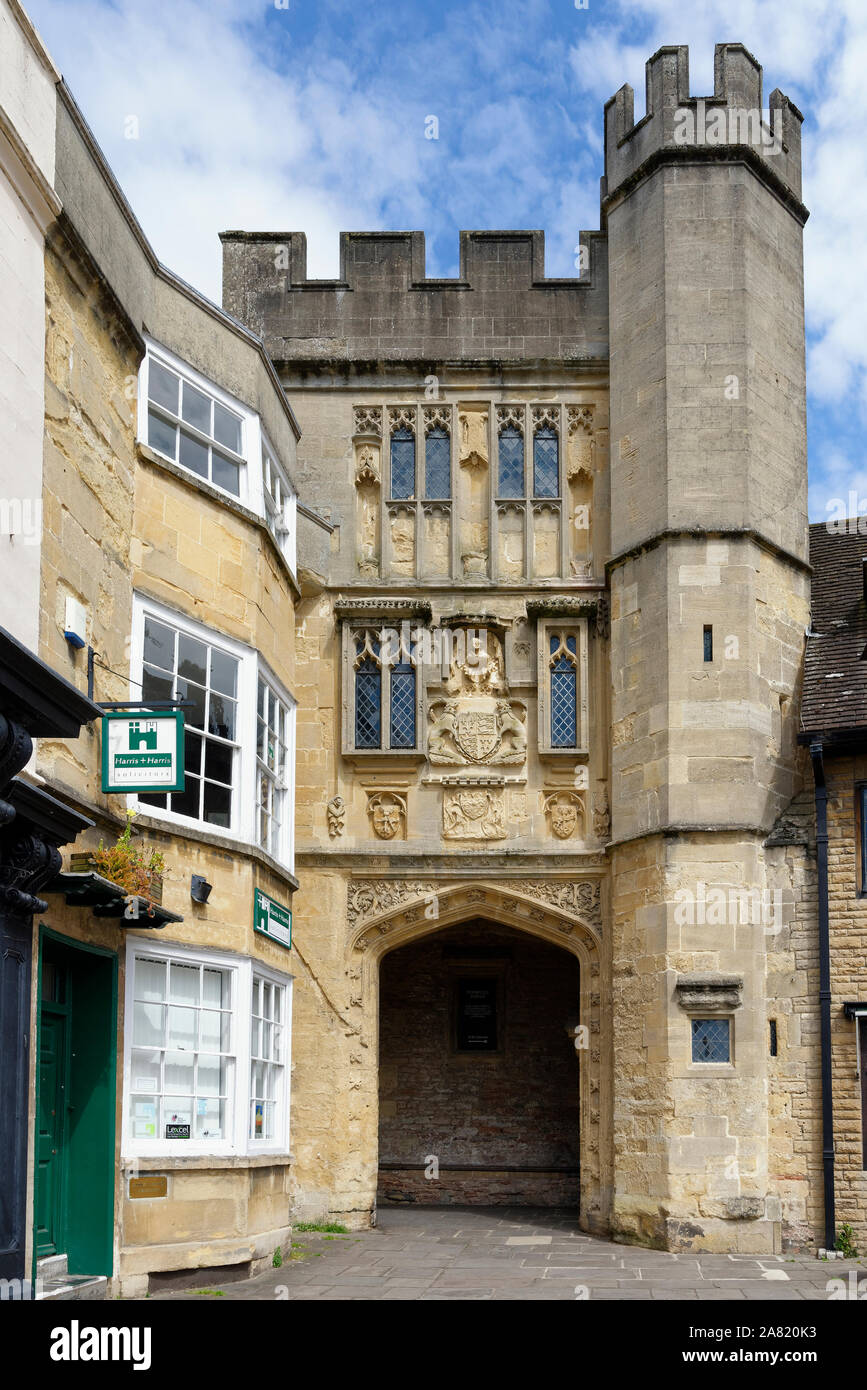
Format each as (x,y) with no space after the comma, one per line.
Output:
(511,463)
(546,471)
(403,463)
(564,691)
(437,464)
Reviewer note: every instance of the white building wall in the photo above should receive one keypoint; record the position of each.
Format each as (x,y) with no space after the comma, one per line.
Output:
(27,205)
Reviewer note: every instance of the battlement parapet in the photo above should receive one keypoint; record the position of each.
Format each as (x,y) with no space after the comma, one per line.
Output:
(383,307)
(731,124)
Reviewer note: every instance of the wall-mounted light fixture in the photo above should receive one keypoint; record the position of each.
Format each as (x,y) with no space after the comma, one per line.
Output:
(200,889)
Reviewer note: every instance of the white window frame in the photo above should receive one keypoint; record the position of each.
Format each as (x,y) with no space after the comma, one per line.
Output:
(238,1140)
(244,817)
(284,531)
(250,480)
(286,846)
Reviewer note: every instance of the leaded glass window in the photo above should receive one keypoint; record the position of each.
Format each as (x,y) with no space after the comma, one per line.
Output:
(403,706)
(437,465)
(546,469)
(368,694)
(563,665)
(403,463)
(711,1040)
(511,480)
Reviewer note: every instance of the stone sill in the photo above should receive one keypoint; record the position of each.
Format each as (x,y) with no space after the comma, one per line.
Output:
(168,1164)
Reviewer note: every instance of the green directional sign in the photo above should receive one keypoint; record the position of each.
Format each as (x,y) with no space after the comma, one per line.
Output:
(143,751)
(272,918)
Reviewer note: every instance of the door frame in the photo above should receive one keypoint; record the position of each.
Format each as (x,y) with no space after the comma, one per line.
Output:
(64,1013)
(48,934)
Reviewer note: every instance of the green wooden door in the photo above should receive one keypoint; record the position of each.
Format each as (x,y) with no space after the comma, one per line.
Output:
(51,1131)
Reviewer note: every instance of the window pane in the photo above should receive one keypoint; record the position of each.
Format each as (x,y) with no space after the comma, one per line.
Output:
(179,1073)
(192,659)
(163,386)
(403,707)
(546,472)
(211,1030)
(210,1120)
(437,464)
(159,644)
(195,695)
(217,808)
(161,436)
(564,713)
(218,761)
(212,987)
(148,1027)
(145,1071)
(193,753)
(193,455)
(710,1040)
(186,803)
(177,1110)
(155,685)
(184,984)
(182,1028)
(221,719)
(368,701)
(150,979)
(227,428)
(225,473)
(197,408)
(511,482)
(224,672)
(210,1076)
(403,464)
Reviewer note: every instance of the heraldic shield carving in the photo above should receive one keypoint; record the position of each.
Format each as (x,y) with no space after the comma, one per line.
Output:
(477,723)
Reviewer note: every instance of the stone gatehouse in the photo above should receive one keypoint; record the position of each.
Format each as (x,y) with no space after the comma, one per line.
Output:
(548,660)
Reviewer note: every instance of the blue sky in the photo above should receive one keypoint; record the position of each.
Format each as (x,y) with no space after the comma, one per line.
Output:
(310,115)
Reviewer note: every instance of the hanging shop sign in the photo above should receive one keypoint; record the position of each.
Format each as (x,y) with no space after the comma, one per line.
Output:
(272,918)
(143,751)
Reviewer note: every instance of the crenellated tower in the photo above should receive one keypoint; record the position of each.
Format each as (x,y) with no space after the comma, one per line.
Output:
(709,593)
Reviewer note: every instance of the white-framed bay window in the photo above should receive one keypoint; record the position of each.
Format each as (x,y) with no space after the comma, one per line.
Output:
(193,422)
(207,1053)
(196,424)
(239,730)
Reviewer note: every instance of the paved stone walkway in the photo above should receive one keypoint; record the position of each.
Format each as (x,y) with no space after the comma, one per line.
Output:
(520,1254)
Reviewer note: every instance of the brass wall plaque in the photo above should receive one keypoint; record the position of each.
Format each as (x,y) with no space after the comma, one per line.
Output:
(150,1185)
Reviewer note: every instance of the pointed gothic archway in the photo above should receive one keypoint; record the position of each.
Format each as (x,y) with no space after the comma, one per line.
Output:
(524,919)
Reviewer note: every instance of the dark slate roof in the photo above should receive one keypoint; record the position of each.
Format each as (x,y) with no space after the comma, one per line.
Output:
(835,676)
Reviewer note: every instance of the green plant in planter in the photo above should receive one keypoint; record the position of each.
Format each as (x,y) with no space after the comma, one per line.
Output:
(133,869)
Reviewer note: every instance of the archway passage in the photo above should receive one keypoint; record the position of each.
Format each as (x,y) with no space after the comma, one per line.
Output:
(478,1095)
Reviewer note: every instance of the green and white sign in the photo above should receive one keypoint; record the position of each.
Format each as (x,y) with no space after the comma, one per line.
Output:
(272,918)
(143,751)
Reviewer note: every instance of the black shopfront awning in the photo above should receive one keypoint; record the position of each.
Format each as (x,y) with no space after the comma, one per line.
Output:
(106,899)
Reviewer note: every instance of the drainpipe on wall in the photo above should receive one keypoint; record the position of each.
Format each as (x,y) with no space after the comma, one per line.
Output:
(825,991)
